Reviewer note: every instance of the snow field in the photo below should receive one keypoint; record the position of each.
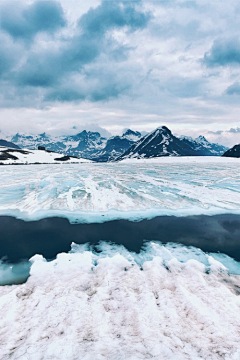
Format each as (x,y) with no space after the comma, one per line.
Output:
(86,305)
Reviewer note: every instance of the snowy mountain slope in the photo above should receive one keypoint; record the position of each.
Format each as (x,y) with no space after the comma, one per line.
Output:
(203,146)
(233,152)
(22,156)
(131,135)
(160,142)
(117,145)
(8,144)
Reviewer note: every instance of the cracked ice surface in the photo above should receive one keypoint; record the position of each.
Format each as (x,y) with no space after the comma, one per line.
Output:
(130,189)
(117,305)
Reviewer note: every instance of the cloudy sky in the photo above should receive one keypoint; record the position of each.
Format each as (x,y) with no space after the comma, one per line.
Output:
(67,64)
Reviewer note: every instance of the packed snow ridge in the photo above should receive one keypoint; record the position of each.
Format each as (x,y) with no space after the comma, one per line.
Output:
(131,189)
(120,305)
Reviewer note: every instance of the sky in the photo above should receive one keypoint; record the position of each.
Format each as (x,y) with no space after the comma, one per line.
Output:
(68,65)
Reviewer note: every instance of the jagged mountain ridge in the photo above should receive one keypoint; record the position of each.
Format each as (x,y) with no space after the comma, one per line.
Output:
(86,144)
(203,146)
(117,145)
(161,142)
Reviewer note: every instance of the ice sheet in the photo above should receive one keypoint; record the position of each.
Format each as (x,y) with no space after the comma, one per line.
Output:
(119,305)
(130,189)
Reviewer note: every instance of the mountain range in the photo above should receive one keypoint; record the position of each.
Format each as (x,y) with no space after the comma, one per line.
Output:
(91,145)
(86,144)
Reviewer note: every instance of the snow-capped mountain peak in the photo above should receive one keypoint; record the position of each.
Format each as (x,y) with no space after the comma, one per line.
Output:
(131,135)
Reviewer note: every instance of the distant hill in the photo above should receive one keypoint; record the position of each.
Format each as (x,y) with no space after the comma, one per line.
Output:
(233,152)
(8,144)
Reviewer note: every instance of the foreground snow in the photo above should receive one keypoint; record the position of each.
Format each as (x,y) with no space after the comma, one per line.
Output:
(130,189)
(120,305)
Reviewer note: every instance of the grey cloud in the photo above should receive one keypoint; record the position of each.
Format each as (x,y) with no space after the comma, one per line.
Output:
(24,21)
(233,89)
(185,87)
(235,130)
(230,131)
(218,132)
(97,83)
(7,55)
(112,15)
(54,69)
(223,53)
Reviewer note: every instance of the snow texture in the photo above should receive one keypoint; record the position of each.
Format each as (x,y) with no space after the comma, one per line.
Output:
(167,302)
(131,189)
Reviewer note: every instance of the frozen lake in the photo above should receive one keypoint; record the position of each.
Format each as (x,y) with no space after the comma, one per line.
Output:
(131,189)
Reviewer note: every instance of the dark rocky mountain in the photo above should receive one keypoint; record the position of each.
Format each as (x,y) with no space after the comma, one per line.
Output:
(8,144)
(117,145)
(233,152)
(160,142)
(203,146)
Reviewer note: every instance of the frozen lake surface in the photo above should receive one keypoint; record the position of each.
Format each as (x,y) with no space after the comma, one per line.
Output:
(130,189)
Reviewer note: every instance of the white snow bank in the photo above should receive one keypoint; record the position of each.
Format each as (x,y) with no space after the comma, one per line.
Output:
(37,156)
(99,192)
(106,306)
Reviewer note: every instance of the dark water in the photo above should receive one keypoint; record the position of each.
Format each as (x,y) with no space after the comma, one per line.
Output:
(20,240)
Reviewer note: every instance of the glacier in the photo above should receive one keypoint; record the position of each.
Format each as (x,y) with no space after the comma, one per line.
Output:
(131,189)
